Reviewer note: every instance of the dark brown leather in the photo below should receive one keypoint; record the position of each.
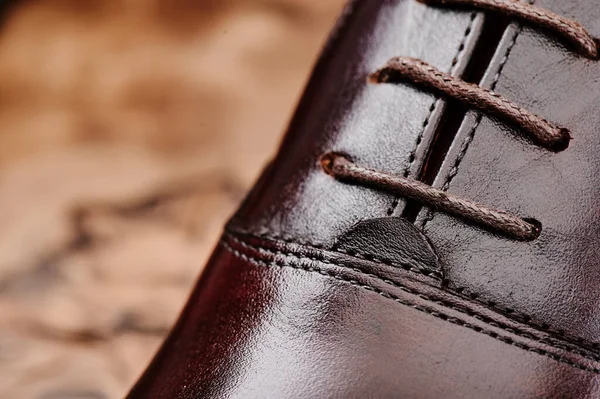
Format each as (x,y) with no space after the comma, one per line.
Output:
(321,289)
(276,320)
(378,124)
(554,281)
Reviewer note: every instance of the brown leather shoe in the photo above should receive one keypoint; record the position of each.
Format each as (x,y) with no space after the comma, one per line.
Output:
(430,227)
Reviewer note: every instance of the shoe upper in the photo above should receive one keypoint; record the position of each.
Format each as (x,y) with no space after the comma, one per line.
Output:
(320,288)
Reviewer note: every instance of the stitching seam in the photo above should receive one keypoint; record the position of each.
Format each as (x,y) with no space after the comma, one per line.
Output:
(357,254)
(427,297)
(464,291)
(423,309)
(383,261)
(432,108)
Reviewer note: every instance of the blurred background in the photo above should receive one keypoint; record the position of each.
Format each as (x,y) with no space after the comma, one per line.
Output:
(129,132)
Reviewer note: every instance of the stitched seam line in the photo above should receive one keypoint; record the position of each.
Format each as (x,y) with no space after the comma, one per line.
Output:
(423,309)
(469,139)
(432,107)
(427,297)
(513,314)
(357,254)
(383,261)
(472,295)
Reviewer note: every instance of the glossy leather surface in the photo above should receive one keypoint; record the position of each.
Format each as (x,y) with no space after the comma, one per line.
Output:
(555,280)
(320,289)
(274,320)
(378,124)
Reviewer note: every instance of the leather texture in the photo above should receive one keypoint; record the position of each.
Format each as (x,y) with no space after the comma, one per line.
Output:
(277,320)
(380,125)
(320,289)
(553,281)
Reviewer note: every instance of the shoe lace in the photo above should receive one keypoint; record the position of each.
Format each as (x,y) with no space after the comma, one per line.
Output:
(541,132)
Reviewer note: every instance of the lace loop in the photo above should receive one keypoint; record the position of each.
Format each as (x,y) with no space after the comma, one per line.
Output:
(421,74)
(341,168)
(571,31)
(405,69)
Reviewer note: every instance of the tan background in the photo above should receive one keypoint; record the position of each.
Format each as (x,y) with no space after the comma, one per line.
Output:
(129,132)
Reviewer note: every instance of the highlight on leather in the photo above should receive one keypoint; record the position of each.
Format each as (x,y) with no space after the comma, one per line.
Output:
(341,168)
(571,31)
(419,73)
(410,70)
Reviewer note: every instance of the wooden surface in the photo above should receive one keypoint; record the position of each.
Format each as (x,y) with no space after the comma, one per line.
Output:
(129,132)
